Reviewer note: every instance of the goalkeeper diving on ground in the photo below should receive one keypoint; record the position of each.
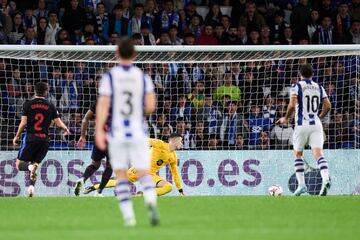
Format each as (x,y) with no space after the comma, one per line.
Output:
(162,154)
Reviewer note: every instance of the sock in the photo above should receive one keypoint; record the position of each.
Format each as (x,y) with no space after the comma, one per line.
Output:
(89,171)
(163,190)
(24,166)
(323,166)
(122,192)
(111,183)
(105,178)
(299,169)
(149,192)
(32,182)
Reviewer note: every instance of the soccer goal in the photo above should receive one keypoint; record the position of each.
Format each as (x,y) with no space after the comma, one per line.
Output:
(223,100)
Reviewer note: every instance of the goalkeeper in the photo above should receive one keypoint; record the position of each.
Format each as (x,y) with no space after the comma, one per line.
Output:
(162,154)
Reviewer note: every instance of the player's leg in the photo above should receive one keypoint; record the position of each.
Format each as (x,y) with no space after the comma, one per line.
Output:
(110,184)
(140,159)
(300,139)
(149,193)
(122,188)
(28,167)
(105,177)
(29,159)
(96,157)
(316,141)
(162,186)
(123,195)
(22,165)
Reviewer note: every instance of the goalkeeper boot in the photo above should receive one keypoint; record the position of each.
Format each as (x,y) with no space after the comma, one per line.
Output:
(88,190)
(300,190)
(78,186)
(154,216)
(325,187)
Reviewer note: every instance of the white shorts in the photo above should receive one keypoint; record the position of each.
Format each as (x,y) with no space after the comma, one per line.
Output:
(125,154)
(311,135)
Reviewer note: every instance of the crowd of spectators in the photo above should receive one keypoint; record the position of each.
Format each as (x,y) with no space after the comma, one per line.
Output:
(179,22)
(212,105)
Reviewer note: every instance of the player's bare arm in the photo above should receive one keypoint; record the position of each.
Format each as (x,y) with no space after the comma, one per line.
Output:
(150,103)
(84,125)
(21,128)
(326,108)
(102,109)
(289,111)
(59,123)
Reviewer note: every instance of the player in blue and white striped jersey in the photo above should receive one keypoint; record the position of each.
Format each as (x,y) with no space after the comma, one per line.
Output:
(129,94)
(306,98)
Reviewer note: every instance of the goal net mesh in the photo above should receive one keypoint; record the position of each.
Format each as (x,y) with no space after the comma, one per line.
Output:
(224,104)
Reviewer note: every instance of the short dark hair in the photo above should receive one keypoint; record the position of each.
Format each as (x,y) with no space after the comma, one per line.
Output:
(118,6)
(306,71)
(100,3)
(41,89)
(126,48)
(174,135)
(136,36)
(180,119)
(53,12)
(139,5)
(166,1)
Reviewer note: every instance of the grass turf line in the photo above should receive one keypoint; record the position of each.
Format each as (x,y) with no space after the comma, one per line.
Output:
(200,218)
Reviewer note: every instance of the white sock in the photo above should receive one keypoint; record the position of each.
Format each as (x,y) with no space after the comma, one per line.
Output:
(299,169)
(149,192)
(324,168)
(122,192)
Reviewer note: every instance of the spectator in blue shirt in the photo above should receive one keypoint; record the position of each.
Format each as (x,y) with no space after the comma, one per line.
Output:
(117,23)
(138,20)
(256,124)
(166,18)
(232,124)
(183,109)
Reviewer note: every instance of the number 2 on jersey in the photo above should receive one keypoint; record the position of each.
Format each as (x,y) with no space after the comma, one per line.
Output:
(39,117)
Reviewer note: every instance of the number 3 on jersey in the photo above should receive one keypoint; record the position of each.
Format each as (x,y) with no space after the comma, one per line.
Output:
(39,117)
(128,106)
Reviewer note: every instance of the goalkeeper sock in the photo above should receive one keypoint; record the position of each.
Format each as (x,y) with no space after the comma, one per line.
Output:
(122,192)
(323,166)
(299,169)
(163,190)
(111,183)
(149,193)
(23,166)
(105,178)
(89,171)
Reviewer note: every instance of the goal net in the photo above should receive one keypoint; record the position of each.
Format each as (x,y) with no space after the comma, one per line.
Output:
(223,100)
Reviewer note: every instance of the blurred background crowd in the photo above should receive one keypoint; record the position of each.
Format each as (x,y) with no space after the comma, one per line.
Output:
(213,106)
(179,22)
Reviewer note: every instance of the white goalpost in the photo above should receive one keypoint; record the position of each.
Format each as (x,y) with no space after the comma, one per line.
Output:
(223,100)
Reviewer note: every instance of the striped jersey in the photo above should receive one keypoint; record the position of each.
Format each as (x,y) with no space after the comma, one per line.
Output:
(127,86)
(309,98)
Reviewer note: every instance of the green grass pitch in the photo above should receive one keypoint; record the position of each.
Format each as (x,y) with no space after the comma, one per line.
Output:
(200,218)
